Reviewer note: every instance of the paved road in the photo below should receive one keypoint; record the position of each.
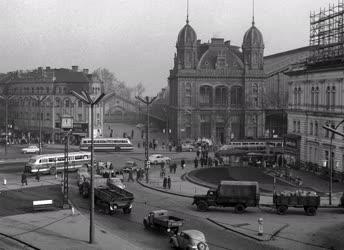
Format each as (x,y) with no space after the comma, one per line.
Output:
(130,227)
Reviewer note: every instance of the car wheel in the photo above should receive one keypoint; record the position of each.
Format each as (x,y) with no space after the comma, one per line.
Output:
(311,211)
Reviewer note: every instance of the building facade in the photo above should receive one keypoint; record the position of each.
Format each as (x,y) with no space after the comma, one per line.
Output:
(316,98)
(39,98)
(215,88)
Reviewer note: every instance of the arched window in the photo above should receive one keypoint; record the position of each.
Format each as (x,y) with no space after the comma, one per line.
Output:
(328,97)
(67,103)
(312,96)
(333,98)
(57,102)
(221,95)
(187,94)
(236,96)
(206,94)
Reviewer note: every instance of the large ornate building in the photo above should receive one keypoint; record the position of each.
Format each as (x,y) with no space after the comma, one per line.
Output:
(215,88)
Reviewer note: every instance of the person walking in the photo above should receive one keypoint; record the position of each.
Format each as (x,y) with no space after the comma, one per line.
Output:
(202,162)
(131,176)
(182,163)
(196,162)
(24,179)
(38,175)
(169,182)
(164,183)
(198,153)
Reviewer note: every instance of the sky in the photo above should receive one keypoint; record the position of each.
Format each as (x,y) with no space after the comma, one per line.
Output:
(135,39)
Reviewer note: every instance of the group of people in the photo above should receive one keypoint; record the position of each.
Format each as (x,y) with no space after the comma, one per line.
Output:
(167,182)
(24,177)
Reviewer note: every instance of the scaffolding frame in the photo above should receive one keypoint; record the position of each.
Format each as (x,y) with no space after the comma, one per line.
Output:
(327,35)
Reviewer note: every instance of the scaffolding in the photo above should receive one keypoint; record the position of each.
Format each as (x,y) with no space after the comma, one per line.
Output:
(327,35)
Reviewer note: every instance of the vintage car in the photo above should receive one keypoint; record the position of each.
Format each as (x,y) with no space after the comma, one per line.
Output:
(129,166)
(163,221)
(33,149)
(189,239)
(158,159)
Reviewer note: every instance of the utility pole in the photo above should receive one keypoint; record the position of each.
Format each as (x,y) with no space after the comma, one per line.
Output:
(39,99)
(148,101)
(86,98)
(6,98)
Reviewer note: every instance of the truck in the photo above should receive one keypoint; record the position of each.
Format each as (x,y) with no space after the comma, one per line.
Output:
(107,195)
(161,220)
(237,194)
(308,200)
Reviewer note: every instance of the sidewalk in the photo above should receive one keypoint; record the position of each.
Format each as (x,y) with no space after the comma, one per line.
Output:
(58,230)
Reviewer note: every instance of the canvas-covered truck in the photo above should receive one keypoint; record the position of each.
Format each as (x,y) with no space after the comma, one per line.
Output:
(161,220)
(108,196)
(237,194)
(114,198)
(308,200)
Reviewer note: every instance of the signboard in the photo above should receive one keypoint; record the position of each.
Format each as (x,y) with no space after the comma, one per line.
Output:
(67,122)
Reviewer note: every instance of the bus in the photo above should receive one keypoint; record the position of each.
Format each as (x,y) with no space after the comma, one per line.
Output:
(53,163)
(107,144)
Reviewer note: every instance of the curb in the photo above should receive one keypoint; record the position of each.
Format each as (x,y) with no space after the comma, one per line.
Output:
(257,238)
(163,191)
(19,241)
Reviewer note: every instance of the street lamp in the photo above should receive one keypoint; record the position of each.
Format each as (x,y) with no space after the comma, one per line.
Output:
(86,98)
(147,101)
(334,131)
(6,98)
(39,99)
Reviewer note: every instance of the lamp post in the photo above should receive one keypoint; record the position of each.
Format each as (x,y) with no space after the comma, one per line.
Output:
(334,131)
(86,98)
(6,98)
(148,101)
(39,99)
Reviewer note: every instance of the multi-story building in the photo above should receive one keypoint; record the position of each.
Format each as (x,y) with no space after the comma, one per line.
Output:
(45,93)
(316,94)
(215,88)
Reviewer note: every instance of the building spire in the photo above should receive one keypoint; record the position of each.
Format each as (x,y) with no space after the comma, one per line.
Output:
(252,12)
(187,11)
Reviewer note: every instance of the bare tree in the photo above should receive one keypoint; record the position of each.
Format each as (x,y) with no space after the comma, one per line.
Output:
(107,77)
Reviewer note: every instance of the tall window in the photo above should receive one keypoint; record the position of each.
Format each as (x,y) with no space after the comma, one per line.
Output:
(327,156)
(295,96)
(79,117)
(326,131)
(328,97)
(206,93)
(299,96)
(188,94)
(333,99)
(312,96)
(316,128)
(221,95)
(298,127)
(294,126)
(317,96)
(236,96)
(67,104)
(80,104)
(311,128)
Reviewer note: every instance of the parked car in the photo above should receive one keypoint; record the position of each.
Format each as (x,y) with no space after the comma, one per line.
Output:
(116,181)
(158,158)
(129,166)
(189,239)
(188,147)
(33,149)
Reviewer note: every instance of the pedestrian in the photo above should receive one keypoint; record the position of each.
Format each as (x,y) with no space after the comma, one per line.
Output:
(164,183)
(170,146)
(216,162)
(202,162)
(138,175)
(38,177)
(210,162)
(138,145)
(174,167)
(196,162)
(182,163)
(131,176)
(132,134)
(24,179)
(197,153)
(169,182)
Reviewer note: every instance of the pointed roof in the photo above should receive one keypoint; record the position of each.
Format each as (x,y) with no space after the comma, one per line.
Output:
(253,38)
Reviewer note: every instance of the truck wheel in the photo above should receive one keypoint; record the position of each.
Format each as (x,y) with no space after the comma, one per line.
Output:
(202,206)
(239,208)
(281,210)
(127,210)
(145,224)
(311,211)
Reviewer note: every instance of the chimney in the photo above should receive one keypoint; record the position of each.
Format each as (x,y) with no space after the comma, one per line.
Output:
(85,71)
(75,68)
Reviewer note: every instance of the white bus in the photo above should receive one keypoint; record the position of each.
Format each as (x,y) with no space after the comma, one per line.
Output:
(53,163)
(107,144)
